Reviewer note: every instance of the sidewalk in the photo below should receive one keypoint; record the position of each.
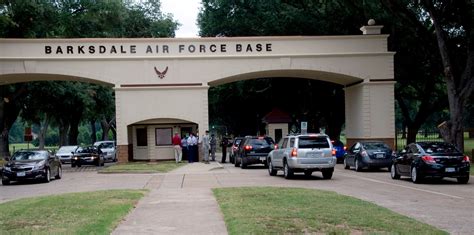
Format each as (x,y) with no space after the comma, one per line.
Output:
(175,208)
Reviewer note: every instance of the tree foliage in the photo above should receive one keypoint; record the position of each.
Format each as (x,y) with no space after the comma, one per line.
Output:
(68,103)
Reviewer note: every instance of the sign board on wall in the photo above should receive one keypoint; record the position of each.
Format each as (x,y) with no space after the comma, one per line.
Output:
(304,127)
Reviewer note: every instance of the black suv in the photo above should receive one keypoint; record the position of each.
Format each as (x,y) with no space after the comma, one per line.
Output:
(253,150)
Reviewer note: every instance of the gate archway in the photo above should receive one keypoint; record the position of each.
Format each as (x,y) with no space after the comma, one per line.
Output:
(169,78)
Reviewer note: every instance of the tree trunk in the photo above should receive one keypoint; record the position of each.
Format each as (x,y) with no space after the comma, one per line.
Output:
(9,111)
(411,134)
(105,129)
(94,131)
(73,131)
(452,130)
(43,130)
(63,130)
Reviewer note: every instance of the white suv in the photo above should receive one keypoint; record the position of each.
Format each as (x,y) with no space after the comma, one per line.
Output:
(303,153)
(108,149)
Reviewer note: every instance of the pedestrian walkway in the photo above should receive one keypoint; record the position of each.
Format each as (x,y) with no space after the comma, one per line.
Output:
(179,206)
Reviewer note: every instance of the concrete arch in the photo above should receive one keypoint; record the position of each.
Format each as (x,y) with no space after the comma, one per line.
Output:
(168,79)
(35,77)
(325,76)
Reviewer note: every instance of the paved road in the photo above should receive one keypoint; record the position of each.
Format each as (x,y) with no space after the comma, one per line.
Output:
(444,204)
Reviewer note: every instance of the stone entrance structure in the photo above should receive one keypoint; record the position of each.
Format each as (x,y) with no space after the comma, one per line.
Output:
(161,85)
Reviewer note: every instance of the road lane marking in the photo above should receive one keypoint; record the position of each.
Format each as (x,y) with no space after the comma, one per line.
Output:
(402,186)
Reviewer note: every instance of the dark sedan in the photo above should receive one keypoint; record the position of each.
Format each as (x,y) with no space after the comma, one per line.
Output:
(368,154)
(431,159)
(87,156)
(254,150)
(31,165)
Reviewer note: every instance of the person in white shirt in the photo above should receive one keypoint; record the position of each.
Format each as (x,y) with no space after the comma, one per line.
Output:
(192,146)
(205,147)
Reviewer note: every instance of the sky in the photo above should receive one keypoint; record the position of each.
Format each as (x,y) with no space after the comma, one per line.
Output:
(185,12)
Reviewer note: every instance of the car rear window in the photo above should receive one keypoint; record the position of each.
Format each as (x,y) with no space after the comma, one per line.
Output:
(313,142)
(260,142)
(237,142)
(375,145)
(439,148)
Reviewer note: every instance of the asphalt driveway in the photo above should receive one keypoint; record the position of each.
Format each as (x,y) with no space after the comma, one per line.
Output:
(444,204)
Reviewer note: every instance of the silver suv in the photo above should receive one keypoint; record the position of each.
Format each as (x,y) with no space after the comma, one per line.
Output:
(303,153)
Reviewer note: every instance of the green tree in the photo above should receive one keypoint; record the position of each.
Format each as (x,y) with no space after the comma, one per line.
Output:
(72,18)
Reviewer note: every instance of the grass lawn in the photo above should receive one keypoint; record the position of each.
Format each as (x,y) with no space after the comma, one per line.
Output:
(267,210)
(75,213)
(143,167)
(20,146)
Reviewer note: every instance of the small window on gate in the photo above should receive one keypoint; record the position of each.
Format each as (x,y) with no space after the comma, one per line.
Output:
(142,139)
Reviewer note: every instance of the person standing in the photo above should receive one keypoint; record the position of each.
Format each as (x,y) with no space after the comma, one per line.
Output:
(224,144)
(205,147)
(213,143)
(191,147)
(176,141)
(184,147)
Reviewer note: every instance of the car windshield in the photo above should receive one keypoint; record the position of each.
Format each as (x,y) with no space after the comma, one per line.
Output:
(264,142)
(86,150)
(375,145)
(313,142)
(25,156)
(438,148)
(67,149)
(106,145)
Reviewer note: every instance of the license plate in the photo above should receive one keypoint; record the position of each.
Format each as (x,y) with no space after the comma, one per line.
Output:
(450,169)
(20,174)
(252,151)
(380,155)
(314,155)
(263,158)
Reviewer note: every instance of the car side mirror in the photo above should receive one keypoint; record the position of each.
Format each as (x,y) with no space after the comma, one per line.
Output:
(7,159)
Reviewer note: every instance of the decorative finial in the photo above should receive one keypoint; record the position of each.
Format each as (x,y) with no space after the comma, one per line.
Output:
(371,22)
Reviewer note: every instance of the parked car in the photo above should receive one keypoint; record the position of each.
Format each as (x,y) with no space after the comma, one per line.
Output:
(431,159)
(368,154)
(108,148)
(31,165)
(253,150)
(303,153)
(234,148)
(340,150)
(65,153)
(87,156)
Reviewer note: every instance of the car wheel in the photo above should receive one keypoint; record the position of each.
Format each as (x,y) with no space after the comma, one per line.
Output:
(5,182)
(73,165)
(357,165)
(463,180)
(393,172)
(327,173)
(346,166)
(59,175)
(236,162)
(271,171)
(308,173)
(98,162)
(47,177)
(288,172)
(415,176)
(103,163)
(242,164)
(78,165)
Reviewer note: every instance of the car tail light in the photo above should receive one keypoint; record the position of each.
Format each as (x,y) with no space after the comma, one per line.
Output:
(364,153)
(294,152)
(275,146)
(334,152)
(345,148)
(428,159)
(248,147)
(465,159)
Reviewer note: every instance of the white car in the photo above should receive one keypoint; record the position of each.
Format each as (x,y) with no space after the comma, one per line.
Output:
(65,152)
(108,149)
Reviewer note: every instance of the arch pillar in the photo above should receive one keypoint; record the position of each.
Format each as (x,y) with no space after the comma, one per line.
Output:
(370,112)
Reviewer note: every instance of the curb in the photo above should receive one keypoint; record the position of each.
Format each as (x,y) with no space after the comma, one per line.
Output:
(217,168)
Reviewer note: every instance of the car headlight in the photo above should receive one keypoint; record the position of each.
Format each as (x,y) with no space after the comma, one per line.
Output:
(7,168)
(39,165)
